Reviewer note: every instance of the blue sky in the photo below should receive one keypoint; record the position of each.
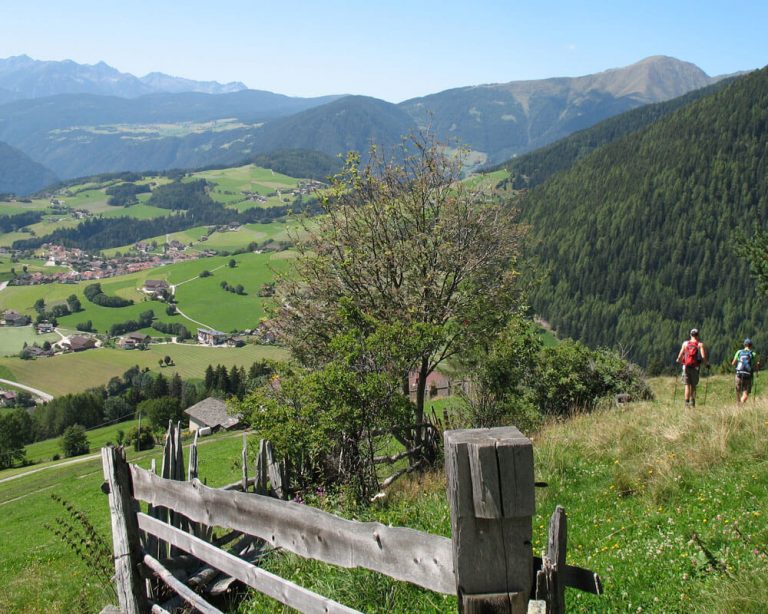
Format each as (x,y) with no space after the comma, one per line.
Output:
(393,49)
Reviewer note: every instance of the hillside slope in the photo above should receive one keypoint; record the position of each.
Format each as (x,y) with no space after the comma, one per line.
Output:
(532,169)
(639,236)
(506,119)
(21,175)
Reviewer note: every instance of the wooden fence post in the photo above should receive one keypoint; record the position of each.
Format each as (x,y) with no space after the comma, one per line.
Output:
(125,533)
(491,496)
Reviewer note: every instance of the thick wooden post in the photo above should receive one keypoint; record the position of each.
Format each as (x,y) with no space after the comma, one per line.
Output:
(125,533)
(490,493)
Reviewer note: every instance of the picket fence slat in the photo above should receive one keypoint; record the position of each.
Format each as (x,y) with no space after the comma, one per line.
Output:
(271,585)
(404,554)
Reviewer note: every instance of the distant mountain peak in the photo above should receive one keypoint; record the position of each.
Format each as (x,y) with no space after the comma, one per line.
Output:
(25,77)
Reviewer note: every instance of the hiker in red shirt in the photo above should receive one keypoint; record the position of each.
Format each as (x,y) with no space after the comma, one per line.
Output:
(692,355)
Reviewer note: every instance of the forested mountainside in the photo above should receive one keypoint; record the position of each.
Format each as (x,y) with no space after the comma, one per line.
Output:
(639,238)
(532,169)
(21,175)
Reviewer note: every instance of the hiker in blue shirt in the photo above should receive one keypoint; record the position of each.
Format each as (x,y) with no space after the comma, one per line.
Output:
(746,365)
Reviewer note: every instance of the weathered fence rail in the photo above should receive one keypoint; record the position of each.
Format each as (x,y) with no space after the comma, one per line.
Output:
(488,563)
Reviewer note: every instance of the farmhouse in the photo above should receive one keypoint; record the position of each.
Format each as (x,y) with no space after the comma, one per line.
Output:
(155,286)
(7,398)
(211,413)
(13,318)
(44,327)
(78,343)
(133,340)
(208,336)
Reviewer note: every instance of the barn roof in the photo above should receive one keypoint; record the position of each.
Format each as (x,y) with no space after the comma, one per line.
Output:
(212,412)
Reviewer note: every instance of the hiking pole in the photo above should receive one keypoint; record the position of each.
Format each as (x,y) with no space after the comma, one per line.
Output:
(706,386)
(674,396)
(754,388)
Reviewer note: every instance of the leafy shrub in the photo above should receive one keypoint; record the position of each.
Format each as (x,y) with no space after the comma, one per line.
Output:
(570,376)
(140,440)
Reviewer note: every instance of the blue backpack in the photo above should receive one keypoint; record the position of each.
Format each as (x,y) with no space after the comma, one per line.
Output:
(744,363)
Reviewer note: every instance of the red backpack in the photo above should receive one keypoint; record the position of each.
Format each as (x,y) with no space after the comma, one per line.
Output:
(691,356)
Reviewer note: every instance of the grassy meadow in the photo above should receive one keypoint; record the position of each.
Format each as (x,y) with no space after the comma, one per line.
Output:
(230,183)
(666,503)
(78,371)
(13,338)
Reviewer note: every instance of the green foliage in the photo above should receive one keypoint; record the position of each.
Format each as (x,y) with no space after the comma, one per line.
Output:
(74,441)
(639,238)
(116,408)
(94,294)
(518,380)
(332,418)
(141,439)
(504,374)
(407,245)
(73,303)
(158,411)
(15,427)
(124,194)
(307,163)
(571,377)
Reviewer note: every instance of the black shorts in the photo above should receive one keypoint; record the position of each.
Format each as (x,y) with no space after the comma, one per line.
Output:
(691,376)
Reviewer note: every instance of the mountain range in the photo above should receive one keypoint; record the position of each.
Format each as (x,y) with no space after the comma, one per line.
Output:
(21,77)
(79,120)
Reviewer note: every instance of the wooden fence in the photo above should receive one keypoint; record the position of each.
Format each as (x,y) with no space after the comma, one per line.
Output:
(488,564)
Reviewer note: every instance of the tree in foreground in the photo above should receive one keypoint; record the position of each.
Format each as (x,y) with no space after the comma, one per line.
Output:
(407,244)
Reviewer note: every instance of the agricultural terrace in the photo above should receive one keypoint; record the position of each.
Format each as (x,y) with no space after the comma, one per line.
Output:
(201,299)
(76,372)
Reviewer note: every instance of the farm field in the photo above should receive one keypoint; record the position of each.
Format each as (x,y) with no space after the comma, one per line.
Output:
(78,371)
(14,207)
(204,300)
(232,182)
(13,338)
